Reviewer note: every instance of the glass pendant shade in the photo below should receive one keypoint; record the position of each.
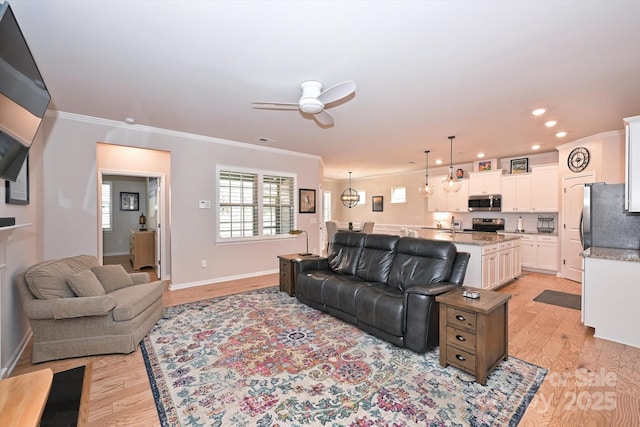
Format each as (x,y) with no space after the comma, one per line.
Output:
(428,189)
(350,197)
(451,184)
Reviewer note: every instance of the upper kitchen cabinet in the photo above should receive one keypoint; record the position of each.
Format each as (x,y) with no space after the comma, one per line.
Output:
(632,166)
(516,193)
(489,182)
(544,186)
(459,201)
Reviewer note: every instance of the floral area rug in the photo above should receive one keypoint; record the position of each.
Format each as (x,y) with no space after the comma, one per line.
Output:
(262,358)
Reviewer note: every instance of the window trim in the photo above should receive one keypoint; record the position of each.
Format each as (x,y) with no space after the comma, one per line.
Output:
(261,173)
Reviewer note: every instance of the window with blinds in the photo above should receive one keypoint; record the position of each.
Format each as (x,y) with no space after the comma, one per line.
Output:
(245,194)
(107,206)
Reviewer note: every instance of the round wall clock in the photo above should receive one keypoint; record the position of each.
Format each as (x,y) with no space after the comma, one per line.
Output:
(578,159)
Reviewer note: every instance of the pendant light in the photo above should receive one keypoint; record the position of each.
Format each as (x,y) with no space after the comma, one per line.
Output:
(350,197)
(428,189)
(451,184)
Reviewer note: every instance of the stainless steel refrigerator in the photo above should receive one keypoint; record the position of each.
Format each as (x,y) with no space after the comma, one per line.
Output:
(605,223)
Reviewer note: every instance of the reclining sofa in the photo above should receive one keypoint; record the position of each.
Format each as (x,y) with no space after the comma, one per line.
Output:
(386,285)
(77,307)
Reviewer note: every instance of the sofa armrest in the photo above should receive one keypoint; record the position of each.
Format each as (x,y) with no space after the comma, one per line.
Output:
(459,269)
(67,308)
(312,264)
(139,278)
(433,289)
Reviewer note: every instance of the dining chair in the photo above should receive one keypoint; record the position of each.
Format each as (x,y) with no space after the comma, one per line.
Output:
(404,232)
(413,233)
(332,229)
(367,227)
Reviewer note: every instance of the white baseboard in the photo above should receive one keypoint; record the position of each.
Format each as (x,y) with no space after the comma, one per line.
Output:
(15,357)
(175,287)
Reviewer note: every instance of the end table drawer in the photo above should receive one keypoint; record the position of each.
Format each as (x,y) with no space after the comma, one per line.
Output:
(463,339)
(461,359)
(461,319)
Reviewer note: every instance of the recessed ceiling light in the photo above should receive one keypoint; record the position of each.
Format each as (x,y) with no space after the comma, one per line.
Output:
(480,155)
(538,111)
(438,162)
(561,134)
(535,147)
(264,139)
(551,123)
(130,120)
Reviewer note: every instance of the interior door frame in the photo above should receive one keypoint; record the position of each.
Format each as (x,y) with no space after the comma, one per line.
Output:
(163,229)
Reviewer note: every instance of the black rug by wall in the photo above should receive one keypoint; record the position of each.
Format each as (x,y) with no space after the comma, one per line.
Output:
(63,404)
(562,299)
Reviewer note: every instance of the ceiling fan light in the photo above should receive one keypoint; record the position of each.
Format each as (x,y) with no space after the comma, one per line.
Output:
(311,106)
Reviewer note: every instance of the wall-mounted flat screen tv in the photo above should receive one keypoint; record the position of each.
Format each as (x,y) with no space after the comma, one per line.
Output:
(23,96)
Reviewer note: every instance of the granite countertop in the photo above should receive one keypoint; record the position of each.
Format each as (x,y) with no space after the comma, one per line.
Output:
(533,232)
(465,237)
(631,255)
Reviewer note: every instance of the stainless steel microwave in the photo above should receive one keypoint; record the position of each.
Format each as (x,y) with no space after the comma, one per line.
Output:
(485,202)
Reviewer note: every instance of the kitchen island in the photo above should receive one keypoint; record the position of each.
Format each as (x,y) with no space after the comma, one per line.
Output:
(495,258)
(609,293)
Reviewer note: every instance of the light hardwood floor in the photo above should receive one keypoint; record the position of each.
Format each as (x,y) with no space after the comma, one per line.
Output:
(591,382)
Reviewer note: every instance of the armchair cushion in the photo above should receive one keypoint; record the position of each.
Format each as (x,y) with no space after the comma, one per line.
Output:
(71,308)
(112,277)
(85,284)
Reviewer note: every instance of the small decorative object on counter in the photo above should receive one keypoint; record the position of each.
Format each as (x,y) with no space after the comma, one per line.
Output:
(520,228)
(350,226)
(545,224)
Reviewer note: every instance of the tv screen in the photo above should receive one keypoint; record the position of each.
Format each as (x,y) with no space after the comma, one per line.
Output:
(24,98)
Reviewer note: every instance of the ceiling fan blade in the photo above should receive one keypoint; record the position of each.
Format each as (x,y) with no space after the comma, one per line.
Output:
(323,118)
(337,92)
(275,105)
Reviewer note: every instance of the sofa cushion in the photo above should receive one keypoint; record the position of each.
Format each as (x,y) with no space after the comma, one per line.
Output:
(81,262)
(344,252)
(420,262)
(48,280)
(112,277)
(382,307)
(377,256)
(85,284)
(133,300)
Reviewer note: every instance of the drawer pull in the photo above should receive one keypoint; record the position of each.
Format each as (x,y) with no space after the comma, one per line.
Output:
(460,358)
(460,338)
(460,318)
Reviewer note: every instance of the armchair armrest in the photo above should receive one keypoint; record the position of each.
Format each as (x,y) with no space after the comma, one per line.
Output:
(67,308)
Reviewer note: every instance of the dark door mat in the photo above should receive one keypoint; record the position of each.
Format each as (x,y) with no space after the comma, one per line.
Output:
(63,404)
(562,299)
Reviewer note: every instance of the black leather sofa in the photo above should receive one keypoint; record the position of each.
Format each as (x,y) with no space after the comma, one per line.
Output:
(386,285)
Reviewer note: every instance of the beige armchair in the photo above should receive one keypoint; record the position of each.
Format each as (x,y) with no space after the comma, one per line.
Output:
(77,307)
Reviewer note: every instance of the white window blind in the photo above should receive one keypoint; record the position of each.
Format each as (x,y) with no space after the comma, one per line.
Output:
(107,206)
(252,204)
(398,195)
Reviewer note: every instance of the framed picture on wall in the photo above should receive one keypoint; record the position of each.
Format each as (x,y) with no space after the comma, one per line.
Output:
(485,165)
(520,165)
(306,200)
(17,193)
(376,203)
(129,201)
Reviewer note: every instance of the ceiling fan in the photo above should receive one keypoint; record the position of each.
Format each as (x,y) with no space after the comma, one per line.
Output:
(313,100)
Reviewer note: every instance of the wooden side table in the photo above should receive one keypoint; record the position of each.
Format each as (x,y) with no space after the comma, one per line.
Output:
(474,332)
(287,272)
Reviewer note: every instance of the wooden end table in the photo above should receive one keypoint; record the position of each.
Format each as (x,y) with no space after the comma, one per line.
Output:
(287,272)
(474,332)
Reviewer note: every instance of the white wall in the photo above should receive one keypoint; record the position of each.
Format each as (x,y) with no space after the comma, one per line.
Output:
(116,240)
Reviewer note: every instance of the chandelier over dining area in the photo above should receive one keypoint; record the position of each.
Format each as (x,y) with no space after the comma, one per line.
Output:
(350,197)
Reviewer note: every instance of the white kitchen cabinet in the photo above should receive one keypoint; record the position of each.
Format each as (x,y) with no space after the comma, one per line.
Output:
(544,188)
(438,199)
(538,252)
(516,193)
(492,265)
(489,182)
(632,167)
(459,201)
(609,303)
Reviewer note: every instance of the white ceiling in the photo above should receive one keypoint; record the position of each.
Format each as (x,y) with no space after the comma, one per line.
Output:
(423,70)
